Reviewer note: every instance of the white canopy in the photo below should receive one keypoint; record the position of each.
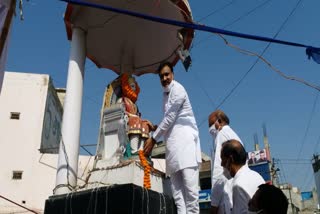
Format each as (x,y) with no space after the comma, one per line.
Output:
(128,44)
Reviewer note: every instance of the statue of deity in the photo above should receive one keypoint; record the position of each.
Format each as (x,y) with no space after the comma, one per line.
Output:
(125,90)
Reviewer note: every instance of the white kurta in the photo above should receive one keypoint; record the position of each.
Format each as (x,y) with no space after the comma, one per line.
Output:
(221,195)
(245,184)
(179,129)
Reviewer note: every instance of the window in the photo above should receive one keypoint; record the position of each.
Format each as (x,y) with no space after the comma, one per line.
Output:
(16,175)
(15,115)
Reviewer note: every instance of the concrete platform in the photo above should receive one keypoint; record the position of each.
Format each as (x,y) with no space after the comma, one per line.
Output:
(115,199)
(127,172)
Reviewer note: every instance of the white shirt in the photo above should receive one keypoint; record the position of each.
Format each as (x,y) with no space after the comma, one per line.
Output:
(245,184)
(221,194)
(180,131)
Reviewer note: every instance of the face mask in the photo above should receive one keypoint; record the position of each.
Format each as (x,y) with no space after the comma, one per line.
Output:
(226,173)
(168,88)
(213,131)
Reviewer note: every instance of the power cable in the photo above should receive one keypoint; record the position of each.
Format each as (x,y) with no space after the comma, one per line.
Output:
(203,89)
(282,169)
(229,24)
(291,163)
(235,21)
(296,159)
(15,203)
(256,61)
(84,148)
(308,125)
(217,10)
(247,14)
(317,144)
(307,180)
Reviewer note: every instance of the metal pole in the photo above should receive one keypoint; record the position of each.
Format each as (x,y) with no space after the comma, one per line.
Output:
(292,207)
(67,169)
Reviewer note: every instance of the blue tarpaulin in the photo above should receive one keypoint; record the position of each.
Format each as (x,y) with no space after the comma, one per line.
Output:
(306,195)
(312,52)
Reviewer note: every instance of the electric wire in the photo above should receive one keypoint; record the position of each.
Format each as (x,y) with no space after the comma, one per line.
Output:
(217,10)
(15,203)
(308,125)
(283,170)
(203,89)
(229,24)
(308,180)
(255,62)
(235,21)
(317,144)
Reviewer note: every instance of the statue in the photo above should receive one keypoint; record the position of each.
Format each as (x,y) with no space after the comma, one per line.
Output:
(125,90)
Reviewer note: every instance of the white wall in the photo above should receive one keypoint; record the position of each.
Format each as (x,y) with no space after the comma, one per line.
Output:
(20,142)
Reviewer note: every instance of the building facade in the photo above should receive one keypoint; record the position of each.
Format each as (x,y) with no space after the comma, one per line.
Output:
(30,123)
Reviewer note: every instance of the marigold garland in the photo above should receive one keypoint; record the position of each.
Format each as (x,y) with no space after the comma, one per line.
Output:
(127,91)
(147,170)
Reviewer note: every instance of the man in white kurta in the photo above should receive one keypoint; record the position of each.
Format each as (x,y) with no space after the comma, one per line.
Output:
(221,194)
(245,181)
(179,130)
(245,184)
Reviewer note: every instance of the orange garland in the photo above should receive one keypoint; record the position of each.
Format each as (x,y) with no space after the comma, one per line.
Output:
(127,91)
(147,170)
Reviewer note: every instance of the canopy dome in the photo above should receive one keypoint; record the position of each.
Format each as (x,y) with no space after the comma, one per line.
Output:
(127,44)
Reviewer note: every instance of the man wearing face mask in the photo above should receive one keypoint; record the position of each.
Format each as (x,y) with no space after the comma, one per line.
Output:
(180,132)
(245,181)
(221,196)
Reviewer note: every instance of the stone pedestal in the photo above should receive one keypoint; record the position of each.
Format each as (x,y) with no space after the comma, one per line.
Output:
(130,171)
(119,199)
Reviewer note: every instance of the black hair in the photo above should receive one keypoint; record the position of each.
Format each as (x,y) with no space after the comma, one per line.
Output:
(271,199)
(234,149)
(222,116)
(163,64)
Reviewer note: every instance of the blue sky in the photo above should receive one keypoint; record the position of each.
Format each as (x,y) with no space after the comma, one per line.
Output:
(290,110)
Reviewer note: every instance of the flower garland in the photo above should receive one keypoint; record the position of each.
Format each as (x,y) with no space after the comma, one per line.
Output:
(147,170)
(127,91)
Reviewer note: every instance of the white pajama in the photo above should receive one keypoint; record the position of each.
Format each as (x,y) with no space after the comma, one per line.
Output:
(185,190)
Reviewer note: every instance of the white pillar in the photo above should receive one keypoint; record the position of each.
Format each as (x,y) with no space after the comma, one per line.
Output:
(67,168)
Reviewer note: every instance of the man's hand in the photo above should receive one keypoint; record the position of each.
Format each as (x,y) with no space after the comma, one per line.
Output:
(151,126)
(148,146)
(154,127)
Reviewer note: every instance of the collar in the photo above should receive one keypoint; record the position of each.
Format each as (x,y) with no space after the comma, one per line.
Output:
(243,169)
